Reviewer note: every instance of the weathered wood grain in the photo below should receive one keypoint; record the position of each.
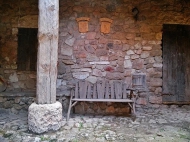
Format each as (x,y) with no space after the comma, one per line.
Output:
(107,95)
(124,91)
(112,91)
(101,89)
(77,90)
(176,63)
(118,89)
(89,92)
(95,96)
(48,24)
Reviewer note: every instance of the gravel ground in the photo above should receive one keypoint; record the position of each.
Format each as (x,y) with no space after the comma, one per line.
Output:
(168,124)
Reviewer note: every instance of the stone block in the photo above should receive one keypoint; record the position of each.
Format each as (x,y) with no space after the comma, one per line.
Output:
(101,52)
(139,51)
(157,52)
(112,57)
(142,101)
(126,47)
(127,64)
(68,62)
(114,75)
(2,99)
(89,49)
(100,63)
(13,77)
(44,117)
(67,51)
(130,35)
(80,75)
(155,99)
(91,35)
(158,59)
(92,57)
(30,83)
(127,57)
(109,68)
(61,68)
(134,56)
(97,72)
(119,35)
(130,52)
(92,79)
(145,54)
(110,110)
(138,64)
(147,48)
(70,41)
(103,40)
(104,58)
(156,82)
(157,65)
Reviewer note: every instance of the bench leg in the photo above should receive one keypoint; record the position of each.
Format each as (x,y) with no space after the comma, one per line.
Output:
(69,109)
(134,111)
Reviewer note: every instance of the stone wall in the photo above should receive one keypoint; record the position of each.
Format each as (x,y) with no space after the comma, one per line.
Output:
(14,15)
(132,47)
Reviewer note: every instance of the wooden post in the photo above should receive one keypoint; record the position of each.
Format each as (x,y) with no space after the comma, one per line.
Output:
(48,26)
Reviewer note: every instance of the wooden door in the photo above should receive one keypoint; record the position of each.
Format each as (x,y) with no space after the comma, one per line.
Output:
(176,63)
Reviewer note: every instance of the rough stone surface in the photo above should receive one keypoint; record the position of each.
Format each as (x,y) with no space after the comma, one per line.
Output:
(44,117)
(166,124)
(130,44)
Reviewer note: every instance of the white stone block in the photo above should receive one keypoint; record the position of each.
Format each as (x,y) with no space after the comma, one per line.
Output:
(130,52)
(81,75)
(127,64)
(44,117)
(13,77)
(100,63)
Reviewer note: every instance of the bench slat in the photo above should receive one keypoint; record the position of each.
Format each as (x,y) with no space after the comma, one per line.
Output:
(82,89)
(103,100)
(94,92)
(118,90)
(89,91)
(107,90)
(112,91)
(101,89)
(124,91)
(76,90)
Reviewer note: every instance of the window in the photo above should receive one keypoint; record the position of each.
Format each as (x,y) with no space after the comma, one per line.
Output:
(27,49)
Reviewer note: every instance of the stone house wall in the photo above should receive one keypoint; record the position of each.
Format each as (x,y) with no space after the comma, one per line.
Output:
(132,47)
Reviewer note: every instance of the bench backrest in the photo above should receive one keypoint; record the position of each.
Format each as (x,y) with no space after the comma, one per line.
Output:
(102,90)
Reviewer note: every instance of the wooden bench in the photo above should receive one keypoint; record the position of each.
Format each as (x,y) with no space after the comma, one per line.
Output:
(102,91)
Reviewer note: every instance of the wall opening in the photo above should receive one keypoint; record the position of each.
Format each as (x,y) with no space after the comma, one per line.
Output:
(27,49)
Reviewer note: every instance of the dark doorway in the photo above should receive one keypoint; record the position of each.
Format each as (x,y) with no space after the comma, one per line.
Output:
(27,49)
(176,64)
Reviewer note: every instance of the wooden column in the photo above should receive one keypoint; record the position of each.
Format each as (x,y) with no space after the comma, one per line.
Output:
(48,26)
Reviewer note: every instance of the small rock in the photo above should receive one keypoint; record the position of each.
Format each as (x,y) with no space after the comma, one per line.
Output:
(37,139)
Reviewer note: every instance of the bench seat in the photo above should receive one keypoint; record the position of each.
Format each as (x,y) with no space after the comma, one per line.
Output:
(102,91)
(102,100)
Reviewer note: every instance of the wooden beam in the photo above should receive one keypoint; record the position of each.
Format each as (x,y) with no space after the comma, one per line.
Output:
(48,26)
